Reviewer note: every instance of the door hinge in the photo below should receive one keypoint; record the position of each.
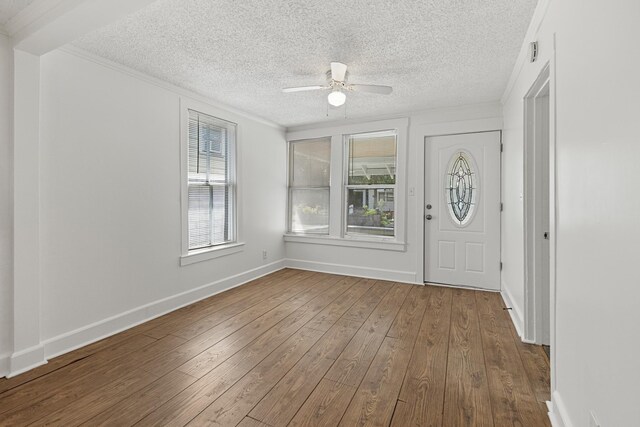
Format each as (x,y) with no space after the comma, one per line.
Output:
(501,147)
(500,265)
(501,206)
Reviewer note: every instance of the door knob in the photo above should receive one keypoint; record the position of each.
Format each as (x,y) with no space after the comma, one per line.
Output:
(429,217)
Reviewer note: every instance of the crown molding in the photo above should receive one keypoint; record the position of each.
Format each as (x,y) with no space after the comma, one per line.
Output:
(534,27)
(36,12)
(83,54)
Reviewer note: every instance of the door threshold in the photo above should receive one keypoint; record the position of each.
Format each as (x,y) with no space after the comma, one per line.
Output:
(468,287)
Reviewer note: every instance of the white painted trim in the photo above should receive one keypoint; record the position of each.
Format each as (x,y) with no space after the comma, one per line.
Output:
(558,411)
(352,270)
(400,124)
(523,57)
(531,219)
(45,25)
(83,54)
(381,244)
(81,337)
(36,11)
(436,114)
(515,312)
(26,359)
(211,253)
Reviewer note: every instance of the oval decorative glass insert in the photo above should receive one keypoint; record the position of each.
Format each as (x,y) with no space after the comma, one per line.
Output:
(461,190)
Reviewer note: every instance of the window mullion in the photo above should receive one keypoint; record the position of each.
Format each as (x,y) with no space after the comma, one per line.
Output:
(336,187)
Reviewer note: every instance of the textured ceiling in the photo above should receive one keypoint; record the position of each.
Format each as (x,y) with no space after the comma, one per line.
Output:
(10,8)
(434,53)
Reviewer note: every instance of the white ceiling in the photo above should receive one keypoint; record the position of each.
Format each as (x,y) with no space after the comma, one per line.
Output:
(434,53)
(10,8)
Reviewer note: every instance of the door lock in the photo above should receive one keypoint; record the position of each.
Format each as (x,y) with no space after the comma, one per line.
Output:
(546,235)
(428,206)
(429,217)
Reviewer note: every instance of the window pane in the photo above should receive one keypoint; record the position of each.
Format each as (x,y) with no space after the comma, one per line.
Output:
(208,148)
(371,211)
(372,159)
(209,215)
(310,211)
(311,161)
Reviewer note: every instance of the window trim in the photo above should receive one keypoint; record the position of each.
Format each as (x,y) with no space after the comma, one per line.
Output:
(337,196)
(187,256)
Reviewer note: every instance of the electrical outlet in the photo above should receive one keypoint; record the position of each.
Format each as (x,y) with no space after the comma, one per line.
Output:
(593,421)
(264,254)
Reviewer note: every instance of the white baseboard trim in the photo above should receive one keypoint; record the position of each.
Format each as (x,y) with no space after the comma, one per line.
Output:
(80,337)
(352,270)
(24,360)
(515,313)
(558,412)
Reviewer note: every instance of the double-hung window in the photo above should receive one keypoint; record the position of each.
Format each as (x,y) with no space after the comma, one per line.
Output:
(210,181)
(371,183)
(309,186)
(347,185)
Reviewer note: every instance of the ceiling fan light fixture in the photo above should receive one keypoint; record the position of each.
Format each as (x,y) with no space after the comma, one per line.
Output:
(336,98)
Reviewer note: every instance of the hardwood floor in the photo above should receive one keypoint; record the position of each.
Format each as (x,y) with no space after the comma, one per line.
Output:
(299,348)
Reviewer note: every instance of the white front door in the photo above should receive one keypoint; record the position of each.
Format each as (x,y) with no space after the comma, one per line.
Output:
(462,210)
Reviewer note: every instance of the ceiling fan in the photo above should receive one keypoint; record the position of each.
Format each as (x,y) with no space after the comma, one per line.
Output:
(337,83)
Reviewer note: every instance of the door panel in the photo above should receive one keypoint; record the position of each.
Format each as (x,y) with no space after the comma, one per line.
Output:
(462,185)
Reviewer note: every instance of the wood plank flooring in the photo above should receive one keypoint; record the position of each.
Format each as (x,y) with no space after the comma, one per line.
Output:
(299,348)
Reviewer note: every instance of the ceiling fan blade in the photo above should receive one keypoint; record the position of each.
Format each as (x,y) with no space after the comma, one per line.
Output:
(384,90)
(303,88)
(338,71)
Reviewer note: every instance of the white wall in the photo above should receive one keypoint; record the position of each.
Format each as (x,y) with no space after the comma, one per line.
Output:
(110,202)
(596,335)
(401,266)
(6,199)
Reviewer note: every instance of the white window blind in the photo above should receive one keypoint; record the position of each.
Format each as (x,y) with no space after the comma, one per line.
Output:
(309,186)
(211,181)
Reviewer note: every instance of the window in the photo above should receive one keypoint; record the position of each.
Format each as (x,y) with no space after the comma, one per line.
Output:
(461,188)
(309,177)
(343,186)
(371,183)
(210,181)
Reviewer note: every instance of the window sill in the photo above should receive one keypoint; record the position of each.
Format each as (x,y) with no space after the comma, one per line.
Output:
(385,244)
(211,253)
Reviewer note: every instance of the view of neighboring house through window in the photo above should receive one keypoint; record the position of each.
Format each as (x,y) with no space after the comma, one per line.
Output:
(211,181)
(371,183)
(309,173)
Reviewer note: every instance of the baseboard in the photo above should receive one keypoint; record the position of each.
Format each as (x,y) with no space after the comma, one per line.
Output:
(24,360)
(351,270)
(70,341)
(558,412)
(515,313)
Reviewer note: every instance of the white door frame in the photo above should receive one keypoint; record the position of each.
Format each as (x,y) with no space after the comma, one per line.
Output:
(422,206)
(532,309)
(533,269)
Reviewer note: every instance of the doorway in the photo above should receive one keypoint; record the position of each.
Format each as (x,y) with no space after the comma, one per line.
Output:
(462,210)
(537,212)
